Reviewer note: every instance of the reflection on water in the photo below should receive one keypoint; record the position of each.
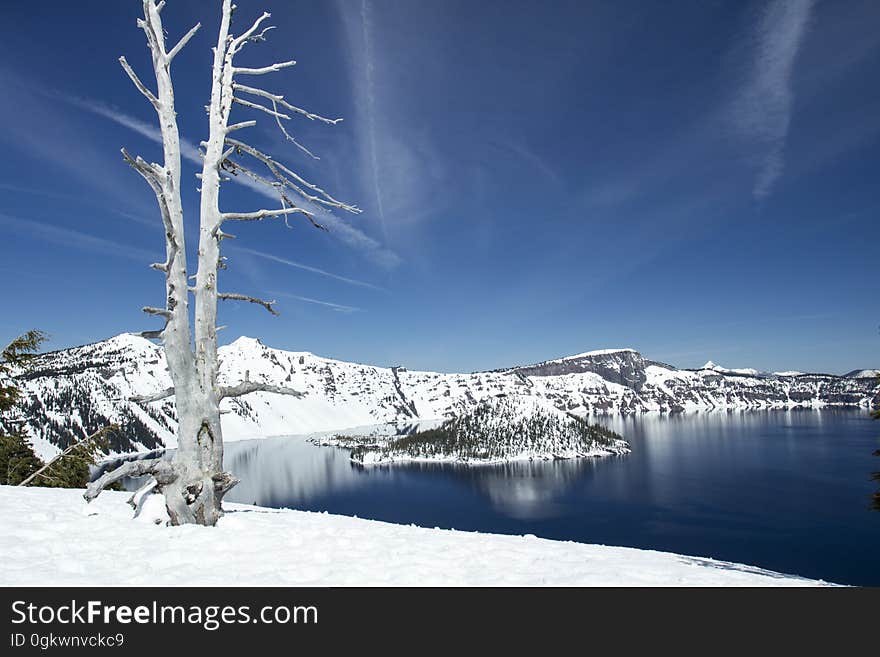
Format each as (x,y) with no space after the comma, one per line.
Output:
(530,489)
(784,490)
(286,472)
(291,471)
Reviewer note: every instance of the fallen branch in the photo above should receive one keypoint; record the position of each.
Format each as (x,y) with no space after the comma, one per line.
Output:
(161,470)
(139,494)
(85,441)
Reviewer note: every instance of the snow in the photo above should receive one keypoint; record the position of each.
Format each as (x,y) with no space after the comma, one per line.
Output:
(600,352)
(52,538)
(341,395)
(864,374)
(590,354)
(509,433)
(747,371)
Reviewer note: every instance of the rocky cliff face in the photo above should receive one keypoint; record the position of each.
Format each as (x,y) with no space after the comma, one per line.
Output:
(73,392)
(625,367)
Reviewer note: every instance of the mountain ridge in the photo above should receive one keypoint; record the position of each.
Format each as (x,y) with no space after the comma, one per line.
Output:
(71,392)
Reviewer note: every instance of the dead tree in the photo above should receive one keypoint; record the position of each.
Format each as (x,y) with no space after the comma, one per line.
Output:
(194,481)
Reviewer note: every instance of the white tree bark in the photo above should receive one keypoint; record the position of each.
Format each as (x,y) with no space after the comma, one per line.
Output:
(194,482)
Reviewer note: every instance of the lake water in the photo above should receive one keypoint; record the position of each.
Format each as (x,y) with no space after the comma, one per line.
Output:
(784,490)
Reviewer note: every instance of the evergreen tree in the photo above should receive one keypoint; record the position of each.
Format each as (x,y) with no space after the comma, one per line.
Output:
(16,354)
(18,462)
(17,458)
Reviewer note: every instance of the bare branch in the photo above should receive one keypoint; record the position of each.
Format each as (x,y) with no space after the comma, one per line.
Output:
(262,71)
(151,172)
(234,167)
(278,187)
(75,446)
(238,42)
(140,85)
(247,387)
(239,126)
(278,170)
(260,214)
(154,334)
(139,494)
(162,312)
(161,469)
(183,41)
(280,100)
(257,106)
(290,137)
(243,297)
(152,27)
(156,396)
(262,35)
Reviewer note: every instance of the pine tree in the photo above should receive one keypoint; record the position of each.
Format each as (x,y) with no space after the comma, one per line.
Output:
(18,462)
(17,458)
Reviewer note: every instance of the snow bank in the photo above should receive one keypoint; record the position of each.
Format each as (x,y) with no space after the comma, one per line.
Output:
(51,537)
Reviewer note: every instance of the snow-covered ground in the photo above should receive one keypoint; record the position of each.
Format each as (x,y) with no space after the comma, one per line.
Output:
(51,537)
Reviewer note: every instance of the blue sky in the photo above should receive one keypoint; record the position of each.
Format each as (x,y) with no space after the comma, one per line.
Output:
(696,180)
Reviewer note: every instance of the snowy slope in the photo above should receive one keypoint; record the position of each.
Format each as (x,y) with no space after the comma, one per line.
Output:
(863,374)
(51,538)
(748,371)
(75,391)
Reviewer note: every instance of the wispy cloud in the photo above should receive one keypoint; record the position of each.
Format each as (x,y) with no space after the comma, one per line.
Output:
(370,93)
(338,307)
(309,268)
(353,237)
(49,194)
(75,239)
(400,159)
(188,150)
(763,107)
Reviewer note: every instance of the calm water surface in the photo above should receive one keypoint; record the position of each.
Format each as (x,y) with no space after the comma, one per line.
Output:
(784,490)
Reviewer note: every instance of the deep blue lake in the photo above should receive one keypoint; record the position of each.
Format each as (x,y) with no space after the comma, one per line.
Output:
(784,490)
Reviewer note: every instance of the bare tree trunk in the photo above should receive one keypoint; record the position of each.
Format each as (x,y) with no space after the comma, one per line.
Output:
(194,483)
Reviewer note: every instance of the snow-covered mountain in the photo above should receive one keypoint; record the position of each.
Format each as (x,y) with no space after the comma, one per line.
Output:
(75,391)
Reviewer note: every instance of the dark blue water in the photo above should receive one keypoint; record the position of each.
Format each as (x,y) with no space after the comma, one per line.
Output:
(788,491)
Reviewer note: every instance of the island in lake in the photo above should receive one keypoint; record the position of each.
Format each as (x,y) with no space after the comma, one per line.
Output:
(495,431)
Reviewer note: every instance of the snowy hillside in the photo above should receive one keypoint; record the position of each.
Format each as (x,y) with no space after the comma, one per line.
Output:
(51,538)
(863,374)
(75,391)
